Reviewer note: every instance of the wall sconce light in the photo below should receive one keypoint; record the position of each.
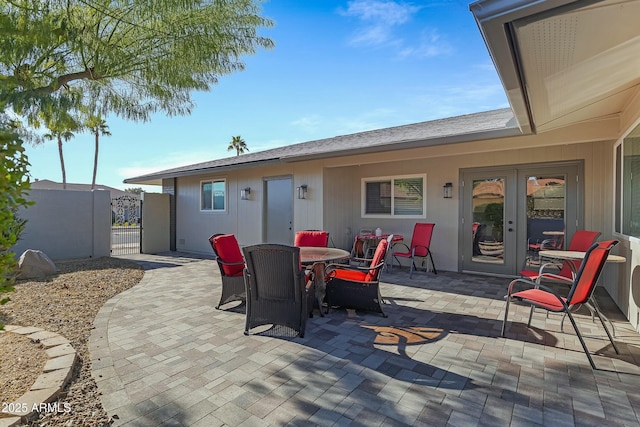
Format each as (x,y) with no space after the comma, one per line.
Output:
(244,193)
(302,191)
(447,190)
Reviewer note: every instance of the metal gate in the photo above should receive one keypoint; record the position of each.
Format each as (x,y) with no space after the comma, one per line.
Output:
(126,225)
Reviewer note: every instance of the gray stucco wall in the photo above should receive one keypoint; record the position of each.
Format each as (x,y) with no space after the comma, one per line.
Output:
(67,224)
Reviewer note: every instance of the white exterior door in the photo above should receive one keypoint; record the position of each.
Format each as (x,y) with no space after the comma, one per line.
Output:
(278,210)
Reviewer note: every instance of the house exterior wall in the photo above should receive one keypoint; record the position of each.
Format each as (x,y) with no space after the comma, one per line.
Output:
(333,199)
(67,224)
(244,217)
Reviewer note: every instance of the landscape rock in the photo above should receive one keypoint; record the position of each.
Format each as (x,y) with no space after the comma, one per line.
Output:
(34,264)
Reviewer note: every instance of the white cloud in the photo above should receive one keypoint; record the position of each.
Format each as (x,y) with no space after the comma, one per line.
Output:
(378,19)
(380,12)
(430,44)
(386,24)
(308,124)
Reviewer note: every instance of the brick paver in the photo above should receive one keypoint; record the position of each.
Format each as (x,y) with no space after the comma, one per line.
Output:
(163,355)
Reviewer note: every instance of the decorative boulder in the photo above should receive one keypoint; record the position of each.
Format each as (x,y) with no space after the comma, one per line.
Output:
(35,264)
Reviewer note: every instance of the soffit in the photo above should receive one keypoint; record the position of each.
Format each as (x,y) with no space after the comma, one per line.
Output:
(563,62)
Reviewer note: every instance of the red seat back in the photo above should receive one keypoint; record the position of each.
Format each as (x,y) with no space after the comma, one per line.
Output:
(587,277)
(581,241)
(319,239)
(421,238)
(378,257)
(226,247)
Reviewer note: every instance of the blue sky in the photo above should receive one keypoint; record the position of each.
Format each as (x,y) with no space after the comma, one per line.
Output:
(338,67)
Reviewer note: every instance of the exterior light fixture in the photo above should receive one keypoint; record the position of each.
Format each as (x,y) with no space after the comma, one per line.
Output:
(244,193)
(302,191)
(447,190)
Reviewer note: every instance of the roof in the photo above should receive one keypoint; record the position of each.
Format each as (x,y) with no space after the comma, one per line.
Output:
(47,184)
(469,127)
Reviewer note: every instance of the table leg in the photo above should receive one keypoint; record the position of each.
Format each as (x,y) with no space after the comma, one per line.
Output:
(319,285)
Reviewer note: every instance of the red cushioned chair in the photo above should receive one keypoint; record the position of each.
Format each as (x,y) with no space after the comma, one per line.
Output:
(581,241)
(357,287)
(231,264)
(319,239)
(420,247)
(581,290)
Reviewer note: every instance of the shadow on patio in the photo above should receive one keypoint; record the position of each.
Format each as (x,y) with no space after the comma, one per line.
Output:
(161,353)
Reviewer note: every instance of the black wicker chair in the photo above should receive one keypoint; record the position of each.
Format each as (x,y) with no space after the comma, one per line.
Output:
(276,287)
(231,264)
(357,287)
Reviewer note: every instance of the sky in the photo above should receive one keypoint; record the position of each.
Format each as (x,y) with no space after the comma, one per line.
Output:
(338,67)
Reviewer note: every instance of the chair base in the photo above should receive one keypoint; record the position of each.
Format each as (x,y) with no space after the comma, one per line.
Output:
(233,289)
(354,295)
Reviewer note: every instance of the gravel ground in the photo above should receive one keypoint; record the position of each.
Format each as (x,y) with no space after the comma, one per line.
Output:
(66,303)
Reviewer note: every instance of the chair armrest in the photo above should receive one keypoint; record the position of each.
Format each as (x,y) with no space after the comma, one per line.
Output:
(393,247)
(229,263)
(555,277)
(534,285)
(331,267)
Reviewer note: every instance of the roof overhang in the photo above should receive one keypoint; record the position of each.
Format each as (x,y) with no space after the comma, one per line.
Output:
(563,62)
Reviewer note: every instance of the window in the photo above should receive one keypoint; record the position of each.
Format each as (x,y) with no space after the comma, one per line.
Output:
(213,195)
(628,182)
(394,197)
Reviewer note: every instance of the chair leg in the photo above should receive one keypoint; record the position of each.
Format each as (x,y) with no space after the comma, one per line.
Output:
(413,264)
(584,346)
(433,264)
(597,313)
(530,316)
(506,313)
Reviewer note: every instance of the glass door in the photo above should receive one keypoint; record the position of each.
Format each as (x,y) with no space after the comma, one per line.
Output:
(509,214)
(489,221)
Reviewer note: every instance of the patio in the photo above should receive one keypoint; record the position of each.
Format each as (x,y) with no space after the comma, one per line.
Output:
(162,354)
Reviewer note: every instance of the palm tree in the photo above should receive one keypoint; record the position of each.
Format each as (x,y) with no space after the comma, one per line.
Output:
(98,126)
(238,144)
(61,128)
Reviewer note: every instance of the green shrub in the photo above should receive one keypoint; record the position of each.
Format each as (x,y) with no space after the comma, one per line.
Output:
(14,184)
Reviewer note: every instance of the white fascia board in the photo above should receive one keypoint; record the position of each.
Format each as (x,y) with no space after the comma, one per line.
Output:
(494,18)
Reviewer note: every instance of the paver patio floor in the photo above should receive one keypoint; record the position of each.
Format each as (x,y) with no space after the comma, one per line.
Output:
(163,355)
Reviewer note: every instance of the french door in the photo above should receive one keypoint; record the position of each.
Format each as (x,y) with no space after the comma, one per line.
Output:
(507,212)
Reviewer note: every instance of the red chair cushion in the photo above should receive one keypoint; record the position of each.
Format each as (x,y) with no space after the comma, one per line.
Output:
(228,250)
(312,238)
(347,274)
(540,298)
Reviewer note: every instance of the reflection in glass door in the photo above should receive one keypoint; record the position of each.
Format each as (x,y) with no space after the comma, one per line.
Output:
(488,220)
(509,214)
(546,196)
(489,215)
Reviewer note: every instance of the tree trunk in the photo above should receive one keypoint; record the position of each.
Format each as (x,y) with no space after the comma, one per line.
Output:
(64,172)
(95,164)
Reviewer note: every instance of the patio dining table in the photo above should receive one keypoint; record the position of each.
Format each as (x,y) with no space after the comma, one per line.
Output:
(370,242)
(316,258)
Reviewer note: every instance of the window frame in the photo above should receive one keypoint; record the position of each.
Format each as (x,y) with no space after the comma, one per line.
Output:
(618,205)
(392,179)
(226,195)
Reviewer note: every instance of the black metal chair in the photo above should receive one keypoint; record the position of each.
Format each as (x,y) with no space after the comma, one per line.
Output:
(231,264)
(276,287)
